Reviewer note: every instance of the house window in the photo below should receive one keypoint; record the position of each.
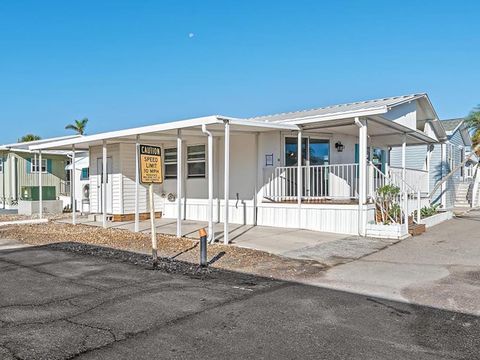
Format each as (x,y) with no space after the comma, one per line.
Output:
(85,174)
(318,151)
(1,165)
(170,156)
(34,166)
(196,161)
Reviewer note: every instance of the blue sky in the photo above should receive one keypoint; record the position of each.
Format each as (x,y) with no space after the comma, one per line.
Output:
(132,63)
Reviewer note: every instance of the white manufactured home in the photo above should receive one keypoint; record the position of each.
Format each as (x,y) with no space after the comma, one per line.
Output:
(317,169)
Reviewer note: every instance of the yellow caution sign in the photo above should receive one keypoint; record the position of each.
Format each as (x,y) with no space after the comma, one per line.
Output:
(151,169)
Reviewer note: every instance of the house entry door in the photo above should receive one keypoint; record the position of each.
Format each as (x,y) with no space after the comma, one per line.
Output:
(314,152)
(109,189)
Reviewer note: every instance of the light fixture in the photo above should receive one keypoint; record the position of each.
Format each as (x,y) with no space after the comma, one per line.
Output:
(339,146)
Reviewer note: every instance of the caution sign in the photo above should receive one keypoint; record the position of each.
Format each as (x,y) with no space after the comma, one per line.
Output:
(151,164)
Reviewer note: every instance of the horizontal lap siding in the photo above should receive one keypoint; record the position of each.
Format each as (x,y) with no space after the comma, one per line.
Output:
(436,166)
(415,157)
(455,152)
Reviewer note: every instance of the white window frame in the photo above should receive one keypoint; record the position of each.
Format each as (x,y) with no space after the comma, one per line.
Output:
(169,162)
(196,161)
(34,166)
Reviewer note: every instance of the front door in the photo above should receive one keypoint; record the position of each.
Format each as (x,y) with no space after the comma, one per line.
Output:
(109,189)
(314,152)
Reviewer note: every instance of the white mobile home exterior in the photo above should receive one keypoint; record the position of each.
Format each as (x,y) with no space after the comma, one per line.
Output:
(331,189)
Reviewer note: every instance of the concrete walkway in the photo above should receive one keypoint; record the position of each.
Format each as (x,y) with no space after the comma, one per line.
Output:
(327,248)
(7,244)
(440,268)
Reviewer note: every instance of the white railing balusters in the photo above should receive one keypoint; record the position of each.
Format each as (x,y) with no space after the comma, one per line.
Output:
(418,179)
(337,181)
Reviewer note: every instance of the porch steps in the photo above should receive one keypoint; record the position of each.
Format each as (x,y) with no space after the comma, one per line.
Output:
(416,229)
(463,195)
(98,217)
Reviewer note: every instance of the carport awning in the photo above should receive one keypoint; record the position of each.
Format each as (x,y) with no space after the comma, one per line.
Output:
(192,127)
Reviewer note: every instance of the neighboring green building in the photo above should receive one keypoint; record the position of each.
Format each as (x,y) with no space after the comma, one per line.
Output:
(19,174)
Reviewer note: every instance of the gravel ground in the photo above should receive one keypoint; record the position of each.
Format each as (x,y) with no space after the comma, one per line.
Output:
(169,247)
(15,217)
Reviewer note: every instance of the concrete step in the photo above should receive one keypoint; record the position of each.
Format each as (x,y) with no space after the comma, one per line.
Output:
(416,229)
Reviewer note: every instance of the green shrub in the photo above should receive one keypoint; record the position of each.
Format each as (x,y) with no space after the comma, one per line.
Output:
(427,211)
(388,209)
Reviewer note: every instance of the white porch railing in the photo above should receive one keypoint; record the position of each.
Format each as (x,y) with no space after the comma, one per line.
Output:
(338,181)
(470,172)
(417,179)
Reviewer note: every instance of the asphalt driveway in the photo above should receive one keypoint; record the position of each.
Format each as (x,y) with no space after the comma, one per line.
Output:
(91,303)
(440,268)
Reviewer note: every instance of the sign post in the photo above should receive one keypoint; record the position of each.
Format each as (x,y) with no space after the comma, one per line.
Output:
(151,173)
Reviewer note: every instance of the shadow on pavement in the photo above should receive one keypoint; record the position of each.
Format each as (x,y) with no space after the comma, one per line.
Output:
(71,300)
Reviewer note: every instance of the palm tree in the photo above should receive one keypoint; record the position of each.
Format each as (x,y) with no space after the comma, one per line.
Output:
(29,137)
(78,126)
(473,122)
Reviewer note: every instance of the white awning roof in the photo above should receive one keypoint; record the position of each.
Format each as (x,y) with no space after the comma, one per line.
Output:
(153,132)
(28,144)
(328,117)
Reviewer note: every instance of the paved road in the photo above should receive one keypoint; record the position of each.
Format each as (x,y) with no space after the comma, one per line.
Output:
(440,268)
(57,304)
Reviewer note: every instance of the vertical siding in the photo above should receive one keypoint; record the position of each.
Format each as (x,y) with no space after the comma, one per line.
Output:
(15,165)
(54,178)
(116,176)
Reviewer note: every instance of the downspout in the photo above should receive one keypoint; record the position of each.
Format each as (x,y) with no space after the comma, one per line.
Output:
(211,234)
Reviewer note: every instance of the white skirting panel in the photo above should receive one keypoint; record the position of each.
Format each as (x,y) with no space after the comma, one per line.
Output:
(342,219)
(241,212)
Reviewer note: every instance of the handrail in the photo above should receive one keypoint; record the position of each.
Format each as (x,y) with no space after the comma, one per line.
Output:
(409,168)
(440,183)
(403,205)
(324,166)
(402,181)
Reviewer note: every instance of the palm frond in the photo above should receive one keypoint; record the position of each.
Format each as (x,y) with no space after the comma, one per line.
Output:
(71,127)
